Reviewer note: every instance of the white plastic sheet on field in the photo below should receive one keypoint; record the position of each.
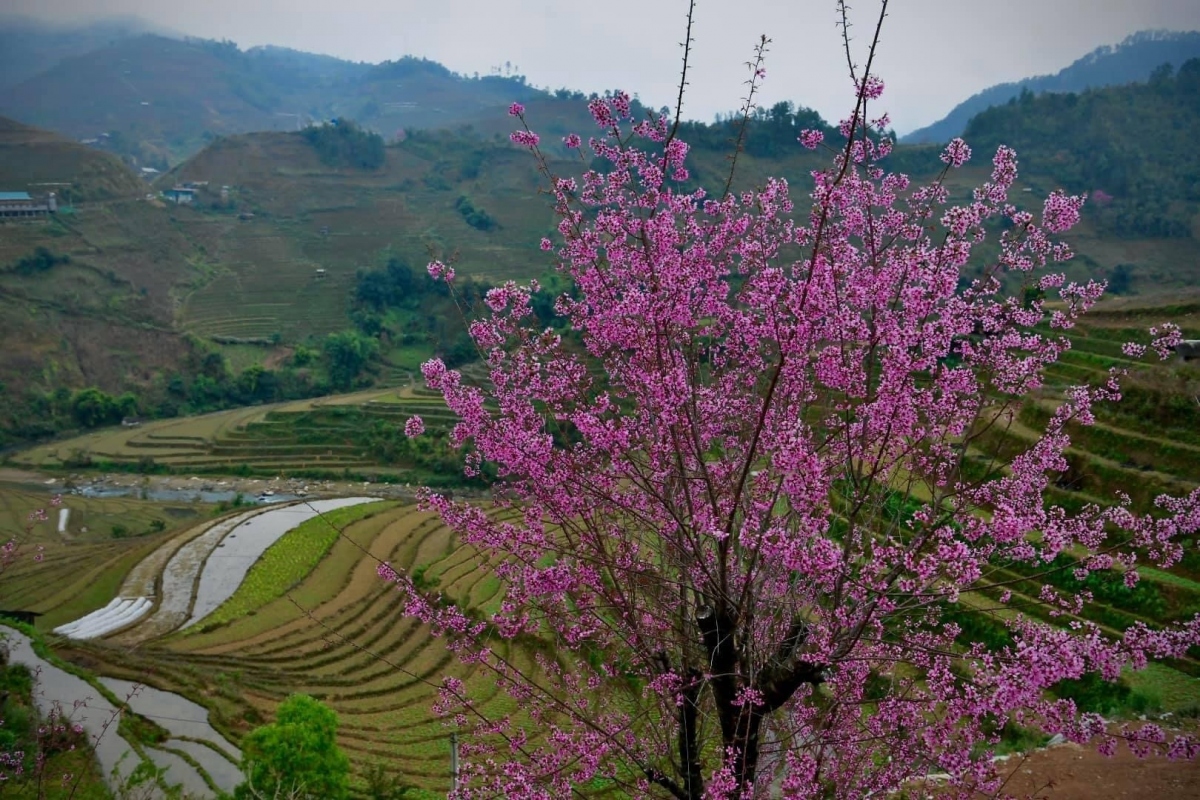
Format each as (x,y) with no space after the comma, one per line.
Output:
(120,612)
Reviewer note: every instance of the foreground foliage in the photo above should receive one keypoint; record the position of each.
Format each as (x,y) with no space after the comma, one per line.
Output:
(297,756)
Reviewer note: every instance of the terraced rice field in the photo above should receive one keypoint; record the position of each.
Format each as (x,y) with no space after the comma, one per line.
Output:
(323,434)
(268,278)
(83,567)
(340,636)
(1145,446)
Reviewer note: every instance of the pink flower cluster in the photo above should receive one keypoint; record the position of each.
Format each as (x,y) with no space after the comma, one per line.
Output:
(440,272)
(525,138)
(956,153)
(811,139)
(414,426)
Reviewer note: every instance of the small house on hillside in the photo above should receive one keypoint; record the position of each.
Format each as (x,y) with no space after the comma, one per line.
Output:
(20,205)
(180,195)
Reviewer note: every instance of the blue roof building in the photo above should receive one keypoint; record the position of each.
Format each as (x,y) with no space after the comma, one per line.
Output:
(20,204)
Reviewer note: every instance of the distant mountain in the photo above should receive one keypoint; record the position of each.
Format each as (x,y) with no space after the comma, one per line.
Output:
(29,46)
(1131,60)
(161,99)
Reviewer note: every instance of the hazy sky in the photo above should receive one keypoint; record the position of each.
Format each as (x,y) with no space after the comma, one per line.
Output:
(934,53)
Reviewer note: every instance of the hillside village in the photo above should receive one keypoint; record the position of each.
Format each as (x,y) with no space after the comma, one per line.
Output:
(232,457)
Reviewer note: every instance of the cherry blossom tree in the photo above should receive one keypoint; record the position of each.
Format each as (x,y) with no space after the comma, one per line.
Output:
(746,499)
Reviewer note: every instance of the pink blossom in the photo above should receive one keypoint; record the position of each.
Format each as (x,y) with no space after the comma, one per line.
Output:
(525,138)
(1061,212)
(601,112)
(700,485)
(414,426)
(871,88)
(440,272)
(811,138)
(516,110)
(956,153)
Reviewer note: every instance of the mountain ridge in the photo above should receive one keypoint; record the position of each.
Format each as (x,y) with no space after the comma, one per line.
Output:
(160,99)
(1132,60)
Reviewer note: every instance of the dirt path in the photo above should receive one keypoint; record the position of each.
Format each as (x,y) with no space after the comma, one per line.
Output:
(1071,772)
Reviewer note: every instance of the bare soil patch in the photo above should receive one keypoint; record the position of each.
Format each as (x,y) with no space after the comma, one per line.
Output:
(1072,772)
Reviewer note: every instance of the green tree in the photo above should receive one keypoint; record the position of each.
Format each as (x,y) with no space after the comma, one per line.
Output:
(92,408)
(341,143)
(296,756)
(347,353)
(41,260)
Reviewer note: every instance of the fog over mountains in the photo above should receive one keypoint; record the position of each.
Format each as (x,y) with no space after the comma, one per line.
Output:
(161,96)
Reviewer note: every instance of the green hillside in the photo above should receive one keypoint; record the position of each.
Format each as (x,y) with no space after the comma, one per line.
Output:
(1131,146)
(268,287)
(86,295)
(38,161)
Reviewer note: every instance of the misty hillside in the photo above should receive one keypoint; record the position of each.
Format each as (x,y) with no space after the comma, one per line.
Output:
(162,99)
(1132,60)
(29,47)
